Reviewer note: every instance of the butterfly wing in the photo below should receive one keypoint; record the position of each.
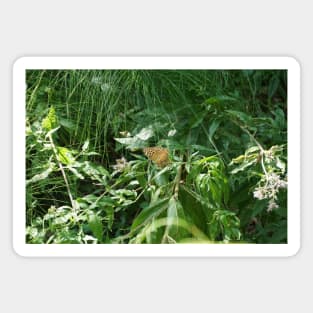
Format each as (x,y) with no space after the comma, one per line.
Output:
(158,155)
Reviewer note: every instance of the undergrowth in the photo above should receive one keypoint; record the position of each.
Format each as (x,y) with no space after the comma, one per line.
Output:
(88,181)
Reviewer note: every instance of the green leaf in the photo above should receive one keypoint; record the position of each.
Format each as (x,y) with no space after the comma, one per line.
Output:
(226,190)
(241,116)
(280,234)
(259,207)
(198,119)
(95,172)
(67,124)
(243,166)
(131,143)
(213,230)
(65,156)
(252,149)
(109,218)
(273,85)
(95,225)
(149,212)
(43,175)
(172,213)
(203,148)
(76,173)
(213,127)
(50,121)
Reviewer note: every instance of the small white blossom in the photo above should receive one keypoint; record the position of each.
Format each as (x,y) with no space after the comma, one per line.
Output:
(258,194)
(271,206)
(120,164)
(282,184)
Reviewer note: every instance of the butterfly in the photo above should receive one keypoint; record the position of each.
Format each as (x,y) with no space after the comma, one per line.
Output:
(158,155)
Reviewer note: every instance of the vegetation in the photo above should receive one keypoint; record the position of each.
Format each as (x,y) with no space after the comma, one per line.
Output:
(221,176)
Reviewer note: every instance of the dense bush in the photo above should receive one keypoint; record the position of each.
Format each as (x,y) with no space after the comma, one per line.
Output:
(224,178)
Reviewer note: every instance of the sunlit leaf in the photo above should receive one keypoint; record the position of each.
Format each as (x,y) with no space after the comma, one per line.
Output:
(145,133)
(65,155)
(43,175)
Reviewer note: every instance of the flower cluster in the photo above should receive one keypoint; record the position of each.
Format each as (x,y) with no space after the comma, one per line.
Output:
(269,188)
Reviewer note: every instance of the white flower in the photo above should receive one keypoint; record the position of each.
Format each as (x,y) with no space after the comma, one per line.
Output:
(120,164)
(282,184)
(258,194)
(272,205)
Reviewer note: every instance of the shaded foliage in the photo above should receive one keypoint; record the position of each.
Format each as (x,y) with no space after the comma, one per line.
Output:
(224,134)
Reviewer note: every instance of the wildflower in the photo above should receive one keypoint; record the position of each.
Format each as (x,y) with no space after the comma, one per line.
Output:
(120,164)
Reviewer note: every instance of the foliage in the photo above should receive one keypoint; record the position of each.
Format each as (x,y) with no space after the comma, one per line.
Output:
(224,134)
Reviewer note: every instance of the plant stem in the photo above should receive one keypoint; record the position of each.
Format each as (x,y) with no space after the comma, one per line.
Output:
(177,181)
(63,172)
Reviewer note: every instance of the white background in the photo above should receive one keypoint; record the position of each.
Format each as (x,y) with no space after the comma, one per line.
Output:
(219,28)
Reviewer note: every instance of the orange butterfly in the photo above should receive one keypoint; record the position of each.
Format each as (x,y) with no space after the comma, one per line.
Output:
(158,155)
